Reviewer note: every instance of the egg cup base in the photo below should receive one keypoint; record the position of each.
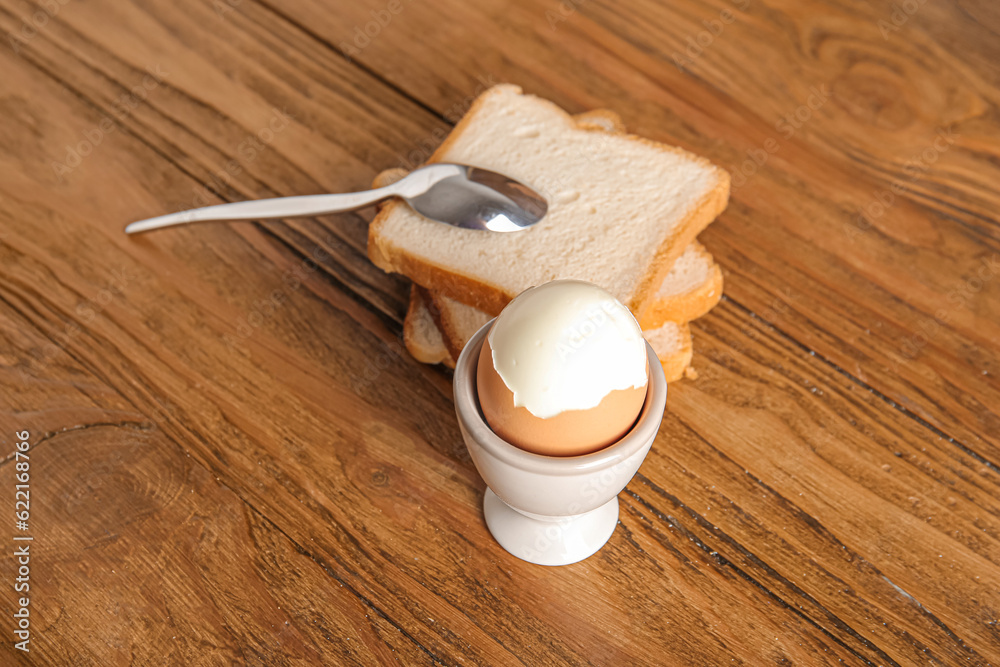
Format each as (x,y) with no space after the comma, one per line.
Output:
(553,541)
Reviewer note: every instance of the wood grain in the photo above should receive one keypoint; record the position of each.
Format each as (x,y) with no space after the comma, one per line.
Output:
(225,416)
(163,564)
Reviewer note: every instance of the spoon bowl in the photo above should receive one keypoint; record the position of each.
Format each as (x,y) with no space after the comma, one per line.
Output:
(454,194)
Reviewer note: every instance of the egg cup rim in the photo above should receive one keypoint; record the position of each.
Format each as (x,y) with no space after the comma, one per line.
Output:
(638,438)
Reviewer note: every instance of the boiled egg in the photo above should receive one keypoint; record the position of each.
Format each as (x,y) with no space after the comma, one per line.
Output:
(563,370)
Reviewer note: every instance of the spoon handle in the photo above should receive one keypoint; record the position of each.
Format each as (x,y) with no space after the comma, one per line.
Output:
(262,209)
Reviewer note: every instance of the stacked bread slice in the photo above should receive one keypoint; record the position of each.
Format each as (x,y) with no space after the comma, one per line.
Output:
(624,213)
(438,327)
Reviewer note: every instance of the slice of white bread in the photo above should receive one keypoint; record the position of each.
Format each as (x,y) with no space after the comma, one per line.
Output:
(604,120)
(456,321)
(692,288)
(671,342)
(621,208)
(421,333)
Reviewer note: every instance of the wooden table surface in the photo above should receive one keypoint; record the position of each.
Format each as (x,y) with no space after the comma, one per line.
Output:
(233,460)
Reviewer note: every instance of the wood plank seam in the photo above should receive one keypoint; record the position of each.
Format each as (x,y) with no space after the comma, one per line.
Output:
(757,559)
(354,62)
(726,564)
(333,575)
(861,383)
(394,324)
(672,521)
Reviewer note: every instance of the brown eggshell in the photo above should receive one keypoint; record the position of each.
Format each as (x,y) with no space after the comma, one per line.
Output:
(569,433)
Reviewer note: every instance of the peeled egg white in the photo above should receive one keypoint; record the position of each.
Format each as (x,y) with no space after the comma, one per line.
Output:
(569,433)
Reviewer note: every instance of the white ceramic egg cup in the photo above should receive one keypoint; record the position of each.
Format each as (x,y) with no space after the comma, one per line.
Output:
(552,510)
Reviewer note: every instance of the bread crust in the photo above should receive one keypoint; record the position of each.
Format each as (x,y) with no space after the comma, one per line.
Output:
(492,298)
(449,334)
(689,305)
(420,349)
(675,364)
(679,308)
(388,177)
(671,248)
(602,120)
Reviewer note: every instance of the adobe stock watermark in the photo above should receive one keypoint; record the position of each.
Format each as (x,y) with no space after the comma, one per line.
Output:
(771,316)
(223,7)
(121,109)
(247,151)
(565,10)
(714,27)
(787,126)
(596,490)
(914,168)
(425,147)
(901,13)
(596,318)
(263,309)
(87,312)
(22,546)
(365,35)
(393,350)
(47,10)
(959,298)
(374,367)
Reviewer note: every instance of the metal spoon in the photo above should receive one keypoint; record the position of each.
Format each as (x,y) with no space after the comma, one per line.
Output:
(455,194)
